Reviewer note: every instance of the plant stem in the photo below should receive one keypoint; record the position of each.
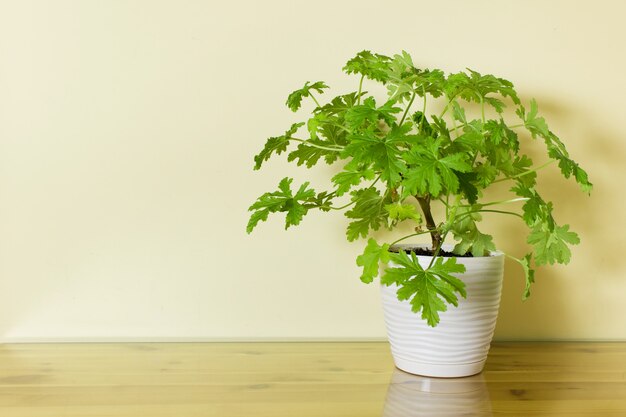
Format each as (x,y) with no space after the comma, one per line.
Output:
(550,162)
(313,145)
(496,203)
(435,254)
(482,109)
(314,99)
(337,125)
(408,236)
(469,213)
(445,109)
(358,100)
(501,212)
(408,106)
(343,207)
(435,234)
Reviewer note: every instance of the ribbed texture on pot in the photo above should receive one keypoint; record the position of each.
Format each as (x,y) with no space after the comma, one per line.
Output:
(463,335)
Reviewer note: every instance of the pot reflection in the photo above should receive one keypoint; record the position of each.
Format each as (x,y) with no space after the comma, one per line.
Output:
(411,396)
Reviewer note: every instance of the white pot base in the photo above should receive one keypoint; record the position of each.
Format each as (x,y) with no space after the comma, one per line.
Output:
(459,345)
(439,370)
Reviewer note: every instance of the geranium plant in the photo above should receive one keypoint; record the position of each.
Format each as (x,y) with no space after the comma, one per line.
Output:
(399,158)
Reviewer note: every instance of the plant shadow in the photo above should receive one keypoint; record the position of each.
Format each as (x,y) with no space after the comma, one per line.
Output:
(556,308)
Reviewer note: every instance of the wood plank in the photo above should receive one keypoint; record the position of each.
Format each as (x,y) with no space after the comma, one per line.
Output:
(303,379)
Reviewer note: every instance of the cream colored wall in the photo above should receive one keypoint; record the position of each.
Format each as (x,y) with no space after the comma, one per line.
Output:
(127,130)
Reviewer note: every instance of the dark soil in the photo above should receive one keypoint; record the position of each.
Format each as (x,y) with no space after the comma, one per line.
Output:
(429,252)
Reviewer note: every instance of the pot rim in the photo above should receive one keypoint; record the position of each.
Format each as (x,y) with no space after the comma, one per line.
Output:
(447,247)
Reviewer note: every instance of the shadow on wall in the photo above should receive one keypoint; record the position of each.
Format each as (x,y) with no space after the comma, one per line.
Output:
(556,307)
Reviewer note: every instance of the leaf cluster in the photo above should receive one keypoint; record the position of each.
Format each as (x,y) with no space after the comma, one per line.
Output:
(395,157)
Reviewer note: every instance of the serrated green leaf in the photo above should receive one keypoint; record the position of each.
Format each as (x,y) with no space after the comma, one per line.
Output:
(372,66)
(311,151)
(469,141)
(431,173)
(474,242)
(382,153)
(475,87)
(521,170)
(423,126)
(366,114)
(347,179)
(458,112)
(368,213)
(467,186)
(537,126)
(551,245)
(294,101)
(282,200)
(529,274)
(497,104)
(400,212)
(371,258)
(535,209)
(465,230)
(275,145)
(255,218)
(428,290)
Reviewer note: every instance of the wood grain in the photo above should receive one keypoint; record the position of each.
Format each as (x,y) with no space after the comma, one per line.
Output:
(302,380)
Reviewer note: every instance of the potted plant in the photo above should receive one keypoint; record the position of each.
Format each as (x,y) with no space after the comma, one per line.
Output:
(436,142)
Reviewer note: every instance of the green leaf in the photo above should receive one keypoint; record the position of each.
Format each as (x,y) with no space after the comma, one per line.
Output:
(311,151)
(536,210)
(497,104)
(294,101)
(314,124)
(347,179)
(466,231)
(529,273)
(382,153)
(322,201)
(282,200)
(372,66)
(421,121)
(467,186)
(371,258)
(255,218)
(475,87)
(521,170)
(479,244)
(404,79)
(537,126)
(340,104)
(400,212)
(550,245)
(427,289)
(458,112)
(363,115)
(498,133)
(275,145)
(368,211)
(430,172)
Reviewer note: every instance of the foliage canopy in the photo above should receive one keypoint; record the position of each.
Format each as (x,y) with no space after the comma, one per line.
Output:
(398,157)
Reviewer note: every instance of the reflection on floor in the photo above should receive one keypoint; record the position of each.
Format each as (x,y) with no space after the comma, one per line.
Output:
(418,396)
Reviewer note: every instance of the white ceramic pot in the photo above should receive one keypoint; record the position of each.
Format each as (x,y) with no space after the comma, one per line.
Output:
(459,345)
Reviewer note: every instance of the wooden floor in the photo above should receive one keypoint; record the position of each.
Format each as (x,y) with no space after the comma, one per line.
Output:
(302,380)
